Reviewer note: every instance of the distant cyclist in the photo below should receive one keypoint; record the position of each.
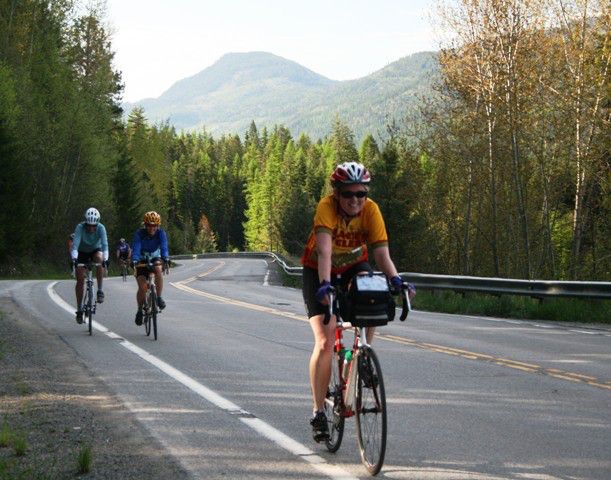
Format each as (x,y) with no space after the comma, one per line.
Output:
(70,242)
(90,244)
(124,252)
(150,244)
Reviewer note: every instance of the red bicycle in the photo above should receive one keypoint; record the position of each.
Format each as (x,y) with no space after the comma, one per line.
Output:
(356,387)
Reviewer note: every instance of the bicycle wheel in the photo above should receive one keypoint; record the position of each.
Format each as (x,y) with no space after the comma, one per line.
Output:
(147,314)
(89,308)
(334,406)
(124,272)
(371,411)
(154,311)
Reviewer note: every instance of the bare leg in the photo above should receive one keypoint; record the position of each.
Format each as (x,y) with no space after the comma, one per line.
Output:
(370,333)
(159,279)
(141,293)
(78,288)
(320,361)
(100,270)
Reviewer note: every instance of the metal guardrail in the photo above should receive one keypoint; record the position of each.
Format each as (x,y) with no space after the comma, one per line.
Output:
(460,284)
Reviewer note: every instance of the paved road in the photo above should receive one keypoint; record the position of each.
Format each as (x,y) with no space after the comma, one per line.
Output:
(225,389)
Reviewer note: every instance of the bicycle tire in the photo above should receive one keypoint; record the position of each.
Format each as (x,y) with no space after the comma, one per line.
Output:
(334,407)
(124,272)
(147,314)
(371,421)
(89,309)
(154,311)
(83,307)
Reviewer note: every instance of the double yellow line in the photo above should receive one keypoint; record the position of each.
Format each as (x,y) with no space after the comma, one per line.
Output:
(182,285)
(525,367)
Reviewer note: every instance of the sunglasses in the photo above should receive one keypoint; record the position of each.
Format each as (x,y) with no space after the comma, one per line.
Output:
(151,225)
(349,194)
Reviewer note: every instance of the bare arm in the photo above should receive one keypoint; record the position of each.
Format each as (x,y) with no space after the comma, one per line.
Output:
(384,262)
(324,245)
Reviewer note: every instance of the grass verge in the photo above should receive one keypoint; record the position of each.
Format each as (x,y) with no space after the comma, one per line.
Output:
(554,309)
(504,306)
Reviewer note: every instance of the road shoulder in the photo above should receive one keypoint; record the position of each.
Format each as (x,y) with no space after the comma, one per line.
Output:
(49,398)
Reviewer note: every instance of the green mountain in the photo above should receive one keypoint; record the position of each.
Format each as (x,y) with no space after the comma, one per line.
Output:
(260,86)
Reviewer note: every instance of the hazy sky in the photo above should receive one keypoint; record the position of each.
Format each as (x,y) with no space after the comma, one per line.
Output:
(158,42)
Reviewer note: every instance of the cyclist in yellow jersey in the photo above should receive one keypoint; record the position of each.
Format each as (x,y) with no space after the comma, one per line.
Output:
(347,225)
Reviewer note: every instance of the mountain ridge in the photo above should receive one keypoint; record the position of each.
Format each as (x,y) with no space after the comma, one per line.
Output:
(227,96)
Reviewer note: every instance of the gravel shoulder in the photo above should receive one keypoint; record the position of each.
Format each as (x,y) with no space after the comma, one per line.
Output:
(52,405)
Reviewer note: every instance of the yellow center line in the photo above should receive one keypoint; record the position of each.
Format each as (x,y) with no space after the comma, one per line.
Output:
(578,375)
(517,367)
(600,385)
(521,364)
(524,367)
(182,286)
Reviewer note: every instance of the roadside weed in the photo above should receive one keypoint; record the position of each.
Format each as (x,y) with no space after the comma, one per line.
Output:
(5,435)
(84,460)
(20,444)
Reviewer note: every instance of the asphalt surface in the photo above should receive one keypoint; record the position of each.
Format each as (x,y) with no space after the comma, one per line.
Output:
(225,389)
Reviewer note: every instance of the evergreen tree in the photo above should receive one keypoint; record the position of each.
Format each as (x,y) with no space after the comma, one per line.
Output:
(126,189)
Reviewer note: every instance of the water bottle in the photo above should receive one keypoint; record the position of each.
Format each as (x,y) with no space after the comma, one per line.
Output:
(347,360)
(350,386)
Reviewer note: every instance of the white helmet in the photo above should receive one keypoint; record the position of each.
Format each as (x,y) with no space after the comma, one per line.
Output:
(92,216)
(350,173)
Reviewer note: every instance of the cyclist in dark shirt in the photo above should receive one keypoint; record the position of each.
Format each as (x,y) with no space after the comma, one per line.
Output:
(150,244)
(124,251)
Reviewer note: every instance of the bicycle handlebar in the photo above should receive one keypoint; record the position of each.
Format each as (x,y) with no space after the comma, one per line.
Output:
(150,265)
(406,306)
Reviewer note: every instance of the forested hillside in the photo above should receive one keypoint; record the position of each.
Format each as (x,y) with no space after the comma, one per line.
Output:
(503,171)
(269,90)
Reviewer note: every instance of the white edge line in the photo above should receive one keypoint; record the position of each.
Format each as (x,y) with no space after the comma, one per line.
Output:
(258,425)
(69,308)
(584,331)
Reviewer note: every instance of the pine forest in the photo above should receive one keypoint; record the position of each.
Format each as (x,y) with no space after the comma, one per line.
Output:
(503,171)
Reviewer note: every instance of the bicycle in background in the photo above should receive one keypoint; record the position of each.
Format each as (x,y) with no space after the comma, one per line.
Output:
(356,387)
(124,264)
(88,307)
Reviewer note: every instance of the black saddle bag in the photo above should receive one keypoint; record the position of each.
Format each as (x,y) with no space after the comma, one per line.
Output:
(368,302)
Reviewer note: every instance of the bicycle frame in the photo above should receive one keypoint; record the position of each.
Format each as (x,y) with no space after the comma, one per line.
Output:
(348,381)
(89,303)
(124,266)
(150,308)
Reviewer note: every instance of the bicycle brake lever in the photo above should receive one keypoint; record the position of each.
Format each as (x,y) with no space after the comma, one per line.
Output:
(407,305)
(329,311)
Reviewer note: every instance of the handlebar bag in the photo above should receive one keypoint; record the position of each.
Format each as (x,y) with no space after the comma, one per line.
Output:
(369,302)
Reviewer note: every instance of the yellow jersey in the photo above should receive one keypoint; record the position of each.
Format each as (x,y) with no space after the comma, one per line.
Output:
(350,236)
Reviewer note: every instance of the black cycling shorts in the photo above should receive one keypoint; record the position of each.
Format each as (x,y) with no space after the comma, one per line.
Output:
(311,285)
(142,269)
(86,257)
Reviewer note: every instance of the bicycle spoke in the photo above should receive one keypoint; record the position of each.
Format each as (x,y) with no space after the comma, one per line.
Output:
(154,311)
(371,411)
(333,408)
